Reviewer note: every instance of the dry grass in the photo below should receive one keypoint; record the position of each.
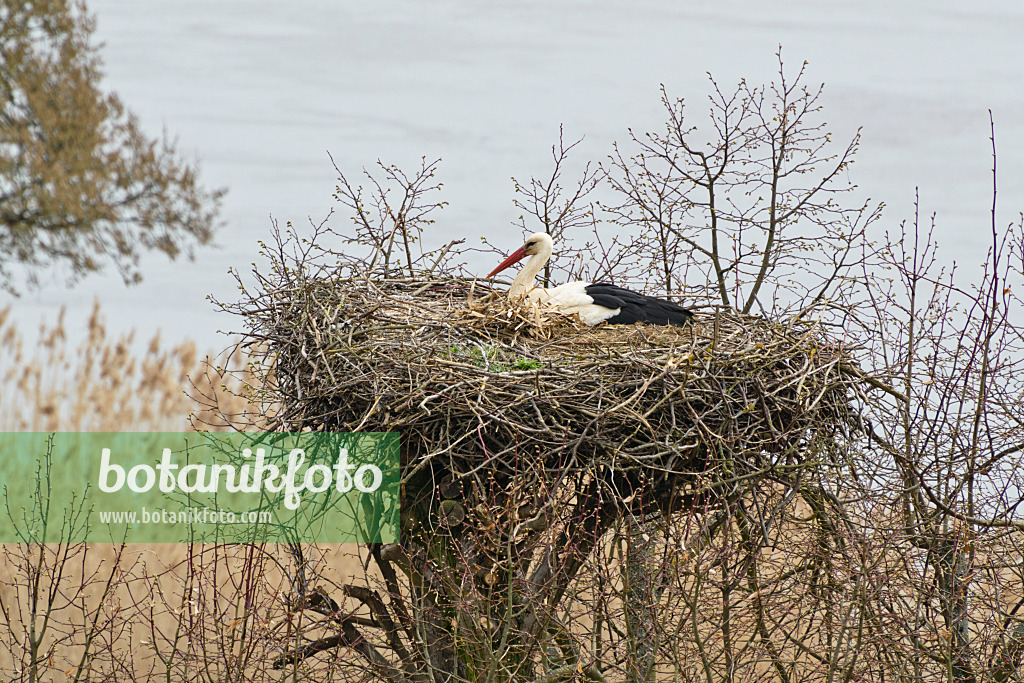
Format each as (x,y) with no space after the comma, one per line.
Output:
(102,385)
(136,598)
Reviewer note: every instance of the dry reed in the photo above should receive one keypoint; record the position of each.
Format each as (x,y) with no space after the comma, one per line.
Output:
(103,385)
(116,612)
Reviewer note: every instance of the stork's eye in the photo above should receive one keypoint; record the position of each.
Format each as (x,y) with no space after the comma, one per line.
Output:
(530,244)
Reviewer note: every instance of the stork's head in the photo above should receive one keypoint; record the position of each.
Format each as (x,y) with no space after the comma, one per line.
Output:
(537,243)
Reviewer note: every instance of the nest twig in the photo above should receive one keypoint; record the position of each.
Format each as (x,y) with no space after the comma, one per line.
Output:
(474,383)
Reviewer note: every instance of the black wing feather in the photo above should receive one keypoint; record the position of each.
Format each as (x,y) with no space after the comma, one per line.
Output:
(635,307)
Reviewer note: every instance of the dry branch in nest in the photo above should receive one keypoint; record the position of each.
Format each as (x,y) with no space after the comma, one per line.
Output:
(480,388)
(526,435)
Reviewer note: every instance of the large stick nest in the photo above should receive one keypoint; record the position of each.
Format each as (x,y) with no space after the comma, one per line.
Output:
(475,384)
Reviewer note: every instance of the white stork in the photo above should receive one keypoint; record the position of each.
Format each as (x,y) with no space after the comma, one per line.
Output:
(593,302)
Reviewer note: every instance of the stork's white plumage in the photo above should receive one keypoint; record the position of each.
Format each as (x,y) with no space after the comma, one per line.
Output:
(593,302)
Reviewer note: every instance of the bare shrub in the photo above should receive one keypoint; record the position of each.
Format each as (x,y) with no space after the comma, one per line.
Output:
(88,611)
(103,385)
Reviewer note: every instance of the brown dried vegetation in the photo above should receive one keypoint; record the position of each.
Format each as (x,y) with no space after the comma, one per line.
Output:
(133,612)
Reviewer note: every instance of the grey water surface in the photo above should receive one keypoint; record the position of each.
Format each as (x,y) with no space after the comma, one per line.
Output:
(259,91)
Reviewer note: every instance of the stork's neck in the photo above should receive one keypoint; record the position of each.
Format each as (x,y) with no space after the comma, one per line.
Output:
(523,282)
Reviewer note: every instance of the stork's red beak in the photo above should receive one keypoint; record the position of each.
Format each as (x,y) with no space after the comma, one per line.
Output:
(516,256)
